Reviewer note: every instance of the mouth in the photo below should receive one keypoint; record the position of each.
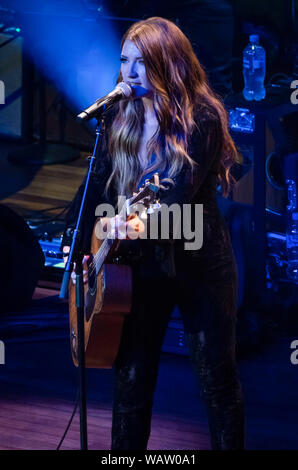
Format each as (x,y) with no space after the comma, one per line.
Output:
(134,83)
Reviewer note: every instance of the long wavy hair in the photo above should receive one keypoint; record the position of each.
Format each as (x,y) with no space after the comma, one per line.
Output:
(180,86)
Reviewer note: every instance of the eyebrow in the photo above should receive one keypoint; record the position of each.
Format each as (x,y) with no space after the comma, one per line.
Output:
(125,57)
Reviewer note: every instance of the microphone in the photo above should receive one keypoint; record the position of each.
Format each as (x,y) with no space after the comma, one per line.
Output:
(121,91)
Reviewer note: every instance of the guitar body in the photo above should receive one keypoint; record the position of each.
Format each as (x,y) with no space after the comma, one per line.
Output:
(108,292)
(107,299)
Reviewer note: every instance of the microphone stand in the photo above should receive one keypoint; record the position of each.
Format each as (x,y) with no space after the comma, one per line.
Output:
(76,256)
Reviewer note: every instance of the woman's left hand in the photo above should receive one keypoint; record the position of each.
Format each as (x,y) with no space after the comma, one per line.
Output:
(134,227)
(131,229)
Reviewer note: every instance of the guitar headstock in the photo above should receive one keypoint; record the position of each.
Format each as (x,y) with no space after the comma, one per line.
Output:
(147,195)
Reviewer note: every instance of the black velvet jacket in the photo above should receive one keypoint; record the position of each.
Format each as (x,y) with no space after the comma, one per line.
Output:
(197,187)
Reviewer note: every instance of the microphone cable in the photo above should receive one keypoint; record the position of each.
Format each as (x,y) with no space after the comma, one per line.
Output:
(69,422)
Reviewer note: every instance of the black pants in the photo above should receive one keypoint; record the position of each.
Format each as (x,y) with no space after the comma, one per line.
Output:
(206,298)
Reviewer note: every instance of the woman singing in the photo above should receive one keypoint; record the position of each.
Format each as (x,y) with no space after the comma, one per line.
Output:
(175,125)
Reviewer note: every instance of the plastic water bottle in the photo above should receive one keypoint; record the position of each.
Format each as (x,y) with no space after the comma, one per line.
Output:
(292,246)
(254,70)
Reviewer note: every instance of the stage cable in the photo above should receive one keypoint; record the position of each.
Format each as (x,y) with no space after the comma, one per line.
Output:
(69,422)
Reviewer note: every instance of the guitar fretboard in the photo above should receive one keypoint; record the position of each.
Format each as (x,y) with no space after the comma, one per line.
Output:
(102,253)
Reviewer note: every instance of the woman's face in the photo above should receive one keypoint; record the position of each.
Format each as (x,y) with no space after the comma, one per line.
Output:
(133,70)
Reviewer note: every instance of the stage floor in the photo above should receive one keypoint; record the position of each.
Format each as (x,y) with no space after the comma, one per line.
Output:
(38,390)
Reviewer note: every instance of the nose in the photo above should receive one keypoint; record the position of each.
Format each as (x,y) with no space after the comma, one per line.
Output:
(132,73)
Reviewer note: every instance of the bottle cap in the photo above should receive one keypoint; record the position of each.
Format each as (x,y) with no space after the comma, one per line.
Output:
(254,38)
(294,215)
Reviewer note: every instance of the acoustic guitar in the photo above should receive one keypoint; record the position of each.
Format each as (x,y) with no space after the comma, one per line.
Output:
(108,291)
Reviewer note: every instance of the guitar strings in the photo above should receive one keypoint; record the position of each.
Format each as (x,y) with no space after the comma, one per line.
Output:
(101,254)
(99,257)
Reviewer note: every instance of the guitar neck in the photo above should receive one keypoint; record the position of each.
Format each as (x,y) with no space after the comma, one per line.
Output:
(103,252)
(146,195)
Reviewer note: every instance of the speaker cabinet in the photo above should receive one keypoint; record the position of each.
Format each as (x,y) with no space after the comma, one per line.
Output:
(11,77)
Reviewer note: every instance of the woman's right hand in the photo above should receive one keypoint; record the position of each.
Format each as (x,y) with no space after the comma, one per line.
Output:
(65,251)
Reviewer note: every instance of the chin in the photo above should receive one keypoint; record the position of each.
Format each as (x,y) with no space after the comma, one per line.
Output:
(140,92)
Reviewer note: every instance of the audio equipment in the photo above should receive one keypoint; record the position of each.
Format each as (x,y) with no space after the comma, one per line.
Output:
(21,261)
(11,78)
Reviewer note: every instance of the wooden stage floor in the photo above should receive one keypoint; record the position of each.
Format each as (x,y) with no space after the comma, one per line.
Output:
(39,383)
(35,423)
(33,188)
